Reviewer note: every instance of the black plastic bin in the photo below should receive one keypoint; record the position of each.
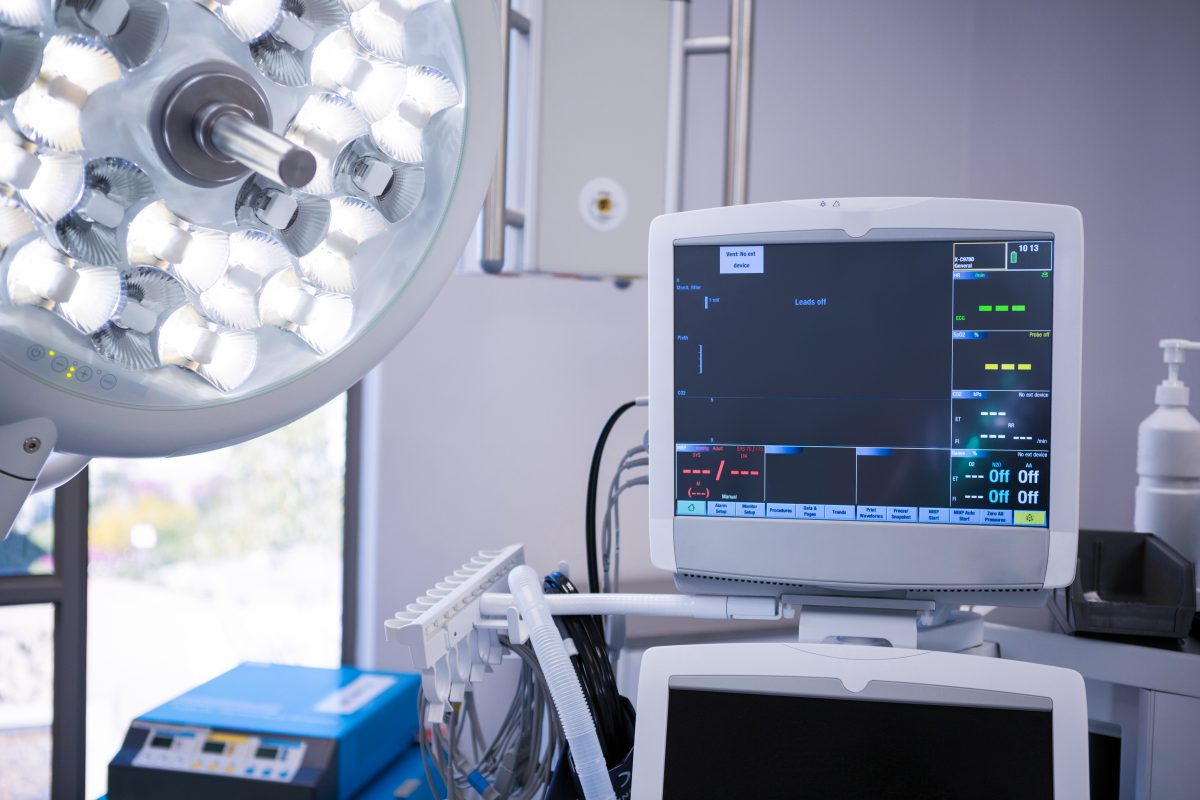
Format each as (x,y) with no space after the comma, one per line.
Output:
(1128,584)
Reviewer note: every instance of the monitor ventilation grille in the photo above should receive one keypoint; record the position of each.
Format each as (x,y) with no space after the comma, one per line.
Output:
(931,589)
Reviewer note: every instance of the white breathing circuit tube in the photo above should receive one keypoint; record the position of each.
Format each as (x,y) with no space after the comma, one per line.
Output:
(573,713)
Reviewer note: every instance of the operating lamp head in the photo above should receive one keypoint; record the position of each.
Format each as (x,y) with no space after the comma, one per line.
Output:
(217,214)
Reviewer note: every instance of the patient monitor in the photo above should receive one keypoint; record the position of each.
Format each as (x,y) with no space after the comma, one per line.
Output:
(873,396)
(857,403)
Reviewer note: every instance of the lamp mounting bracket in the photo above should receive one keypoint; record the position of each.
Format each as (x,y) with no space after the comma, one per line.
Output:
(24,447)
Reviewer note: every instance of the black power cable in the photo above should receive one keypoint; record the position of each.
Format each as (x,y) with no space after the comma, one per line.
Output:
(593,566)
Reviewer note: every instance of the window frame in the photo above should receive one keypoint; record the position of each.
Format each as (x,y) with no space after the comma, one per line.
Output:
(66,590)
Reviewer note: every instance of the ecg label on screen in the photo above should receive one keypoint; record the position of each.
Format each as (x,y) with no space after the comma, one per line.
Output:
(1002,300)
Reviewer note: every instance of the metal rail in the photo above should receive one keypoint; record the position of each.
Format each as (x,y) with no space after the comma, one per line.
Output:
(497,216)
(737,126)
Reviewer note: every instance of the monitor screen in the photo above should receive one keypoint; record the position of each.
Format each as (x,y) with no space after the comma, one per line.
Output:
(730,744)
(901,381)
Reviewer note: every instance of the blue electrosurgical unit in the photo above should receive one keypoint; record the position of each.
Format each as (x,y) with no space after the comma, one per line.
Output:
(269,731)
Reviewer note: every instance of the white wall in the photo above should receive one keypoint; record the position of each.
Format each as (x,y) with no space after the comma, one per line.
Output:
(1091,103)
(492,404)
(490,410)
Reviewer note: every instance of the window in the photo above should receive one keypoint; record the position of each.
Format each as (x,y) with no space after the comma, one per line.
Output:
(196,564)
(29,548)
(200,562)
(26,700)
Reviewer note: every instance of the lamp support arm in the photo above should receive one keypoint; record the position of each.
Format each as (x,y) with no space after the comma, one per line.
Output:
(24,447)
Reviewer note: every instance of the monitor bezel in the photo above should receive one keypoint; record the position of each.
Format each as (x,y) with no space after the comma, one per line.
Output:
(940,677)
(776,555)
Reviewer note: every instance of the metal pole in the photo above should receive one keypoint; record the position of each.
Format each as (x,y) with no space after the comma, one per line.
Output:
(494,205)
(676,69)
(351,525)
(737,128)
(705,45)
(67,759)
(261,150)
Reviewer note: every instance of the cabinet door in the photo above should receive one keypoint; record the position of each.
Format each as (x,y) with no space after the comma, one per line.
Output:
(1171,725)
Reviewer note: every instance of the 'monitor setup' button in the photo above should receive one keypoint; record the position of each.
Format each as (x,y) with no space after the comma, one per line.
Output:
(697,508)
(749,509)
(1029,518)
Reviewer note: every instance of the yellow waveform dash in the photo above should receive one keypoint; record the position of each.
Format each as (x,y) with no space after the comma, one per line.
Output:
(1024,366)
(991,366)
(1008,366)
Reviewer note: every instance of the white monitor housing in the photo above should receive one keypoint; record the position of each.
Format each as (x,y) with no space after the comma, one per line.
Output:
(872,395)
(840,721)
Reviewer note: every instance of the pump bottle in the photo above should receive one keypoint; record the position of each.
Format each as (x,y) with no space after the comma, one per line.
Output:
(1167,500)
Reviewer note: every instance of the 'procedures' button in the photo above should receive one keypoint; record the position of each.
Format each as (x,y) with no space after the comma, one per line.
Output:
(1029,518)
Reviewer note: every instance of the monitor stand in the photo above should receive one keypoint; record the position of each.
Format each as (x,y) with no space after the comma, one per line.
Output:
(912,624)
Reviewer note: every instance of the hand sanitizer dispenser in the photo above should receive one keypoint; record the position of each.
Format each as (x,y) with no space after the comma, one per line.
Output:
(1167,500)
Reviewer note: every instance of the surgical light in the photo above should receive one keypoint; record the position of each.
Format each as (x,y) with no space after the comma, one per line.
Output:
(126,338)
(253,258)
(85,295)
(327,125)
(374,85)
(280,53)
(20,59)
(394,189)
(111,187)
(379,24)
(198,256)
(230,210)
(15,221)
(298,220)
(223,357)
(320,319)
(246,19)
(427,93)
(133,30)
(49,182)
(21,13)
(73,68)
(330,264)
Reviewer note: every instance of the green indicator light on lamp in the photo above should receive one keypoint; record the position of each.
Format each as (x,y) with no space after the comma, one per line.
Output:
(1002,308)
(1018,308)
(985,308)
